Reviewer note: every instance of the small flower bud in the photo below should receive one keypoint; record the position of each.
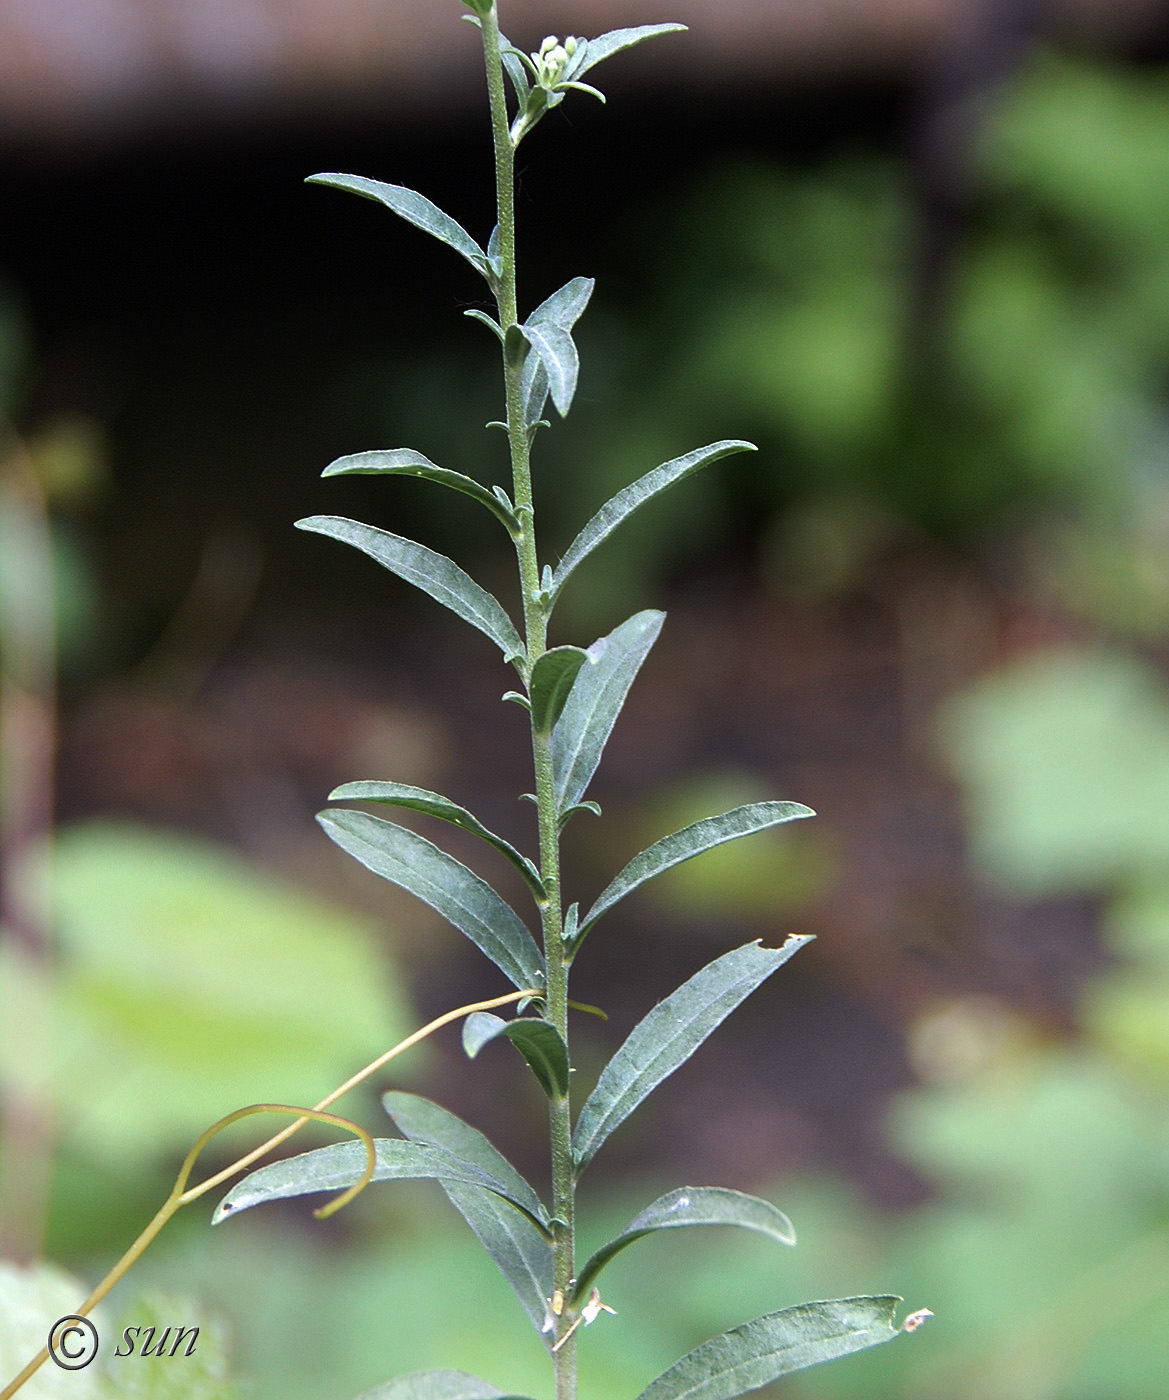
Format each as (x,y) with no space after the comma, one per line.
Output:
(550,61)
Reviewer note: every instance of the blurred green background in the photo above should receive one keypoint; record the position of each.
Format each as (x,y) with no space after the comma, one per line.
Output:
(934,606)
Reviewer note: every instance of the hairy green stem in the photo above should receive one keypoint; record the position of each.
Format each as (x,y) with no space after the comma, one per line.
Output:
(536,633)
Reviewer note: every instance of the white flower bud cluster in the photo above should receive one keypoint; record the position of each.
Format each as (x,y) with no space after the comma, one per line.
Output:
(553,58)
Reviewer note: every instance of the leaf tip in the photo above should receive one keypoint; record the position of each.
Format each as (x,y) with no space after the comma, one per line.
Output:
(791,944)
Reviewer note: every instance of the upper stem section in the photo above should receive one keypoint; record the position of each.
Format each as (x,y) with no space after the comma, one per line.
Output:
(535,617)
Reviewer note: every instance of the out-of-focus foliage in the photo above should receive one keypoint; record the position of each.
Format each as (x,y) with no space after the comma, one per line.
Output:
(1045,1253)
(32,1299)
(189,985)
(175,1369)
(1065,760)
(777,873)
(186,985)
(1030,388)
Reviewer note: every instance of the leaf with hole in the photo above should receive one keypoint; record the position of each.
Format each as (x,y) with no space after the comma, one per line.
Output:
(521,1252)
(458,894)
(340,1166)
(552,679)
(434,573)
(621,506)
(404,461)
(685,1207)
(595,701)
(775,1345)
(433,804)
(416,209)
(538,1041)
(689,842)
(669,1035)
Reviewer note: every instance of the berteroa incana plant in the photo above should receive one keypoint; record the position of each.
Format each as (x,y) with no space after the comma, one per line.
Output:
(573,696)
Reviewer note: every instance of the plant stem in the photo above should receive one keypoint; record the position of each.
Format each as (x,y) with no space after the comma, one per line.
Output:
(536,633)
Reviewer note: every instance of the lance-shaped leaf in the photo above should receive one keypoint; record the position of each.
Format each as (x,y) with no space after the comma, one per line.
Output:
(513,63)
(434,573)
(435,805)
(595,51)
(538,1041)
(460,896)
(691,841)
(437,1385)
(404,461)
(535,390)
(565,306)
(522,1253)
(558,313)
(625,502)
(595,701)
(669,1035)
(552,679)
(558,351)
(691,1205)
(416,209)
(495,252)
(775,1345)
(337,1167)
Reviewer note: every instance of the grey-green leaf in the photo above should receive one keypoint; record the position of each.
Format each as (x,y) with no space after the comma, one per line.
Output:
(433,804)
(595,701)
(557,313)
(423,1120)
(538,1041)
(552,680)
(565,306)
(437,1385)
(495,252)
(775,1345)
(338,1167)
(416,209)
(404,461)
(669,1035)
(691,1205)
(626,501)
(605,45)
(535,391)
(557,350)
(521,1252)
(460,896)
(517,73)
(689,842)
(434,573)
